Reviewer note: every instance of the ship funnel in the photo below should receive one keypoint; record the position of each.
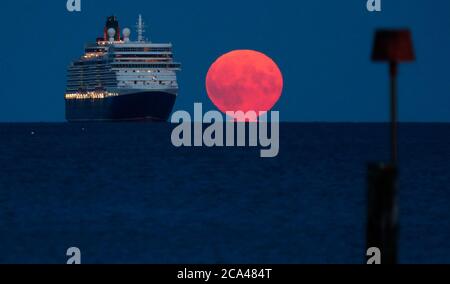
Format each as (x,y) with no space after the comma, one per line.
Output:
(112,23)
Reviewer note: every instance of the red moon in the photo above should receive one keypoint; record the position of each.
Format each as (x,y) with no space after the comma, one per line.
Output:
(244,80)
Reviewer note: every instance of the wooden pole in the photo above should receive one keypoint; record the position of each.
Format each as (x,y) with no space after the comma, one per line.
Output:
(382,223)
(394,117)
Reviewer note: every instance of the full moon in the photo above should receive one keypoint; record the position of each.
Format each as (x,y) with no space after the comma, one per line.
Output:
(244,80)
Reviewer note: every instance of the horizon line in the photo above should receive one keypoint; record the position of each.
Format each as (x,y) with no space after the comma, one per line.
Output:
(286,121)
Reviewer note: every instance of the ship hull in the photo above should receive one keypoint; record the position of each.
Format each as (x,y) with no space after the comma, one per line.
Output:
(150,105)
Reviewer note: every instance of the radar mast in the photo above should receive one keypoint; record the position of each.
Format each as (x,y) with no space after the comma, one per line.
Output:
(140,26)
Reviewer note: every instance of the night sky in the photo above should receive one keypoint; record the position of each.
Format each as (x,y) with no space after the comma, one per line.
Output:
(322,47)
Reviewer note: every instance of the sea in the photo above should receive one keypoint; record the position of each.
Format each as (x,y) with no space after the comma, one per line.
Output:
(122,193)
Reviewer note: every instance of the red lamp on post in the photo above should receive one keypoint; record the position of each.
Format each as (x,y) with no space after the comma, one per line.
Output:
(394,47)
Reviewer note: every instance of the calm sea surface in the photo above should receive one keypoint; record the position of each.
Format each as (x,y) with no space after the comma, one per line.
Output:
(123,194)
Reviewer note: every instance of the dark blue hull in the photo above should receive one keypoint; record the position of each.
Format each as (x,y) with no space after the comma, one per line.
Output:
(155,106)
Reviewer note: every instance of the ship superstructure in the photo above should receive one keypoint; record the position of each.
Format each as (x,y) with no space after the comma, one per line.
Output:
(121,79)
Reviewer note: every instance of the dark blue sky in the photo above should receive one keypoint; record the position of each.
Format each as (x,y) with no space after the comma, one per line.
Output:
(322,47)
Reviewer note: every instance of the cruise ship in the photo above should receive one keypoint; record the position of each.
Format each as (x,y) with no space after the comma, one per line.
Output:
(118,79)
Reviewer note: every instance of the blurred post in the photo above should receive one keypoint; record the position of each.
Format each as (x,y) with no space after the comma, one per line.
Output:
(394,108)
(393,47)
(382,223)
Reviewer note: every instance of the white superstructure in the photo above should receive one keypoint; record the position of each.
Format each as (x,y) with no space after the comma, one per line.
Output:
(117,65)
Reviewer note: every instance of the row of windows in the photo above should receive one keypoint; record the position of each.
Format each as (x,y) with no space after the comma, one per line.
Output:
(141,71)
(90,82)
(91,86)
(128,60)
(91,66)
(174,65)
(89,50)
(74,79)
(84,63)
(71,80)
(91,62)
(91,70)
(95,72)
(148,83)
(82,91)
(142,49)
(91,74)
(91,78)
(144,55)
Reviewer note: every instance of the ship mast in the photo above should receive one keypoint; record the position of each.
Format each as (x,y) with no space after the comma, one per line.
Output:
(140,26)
